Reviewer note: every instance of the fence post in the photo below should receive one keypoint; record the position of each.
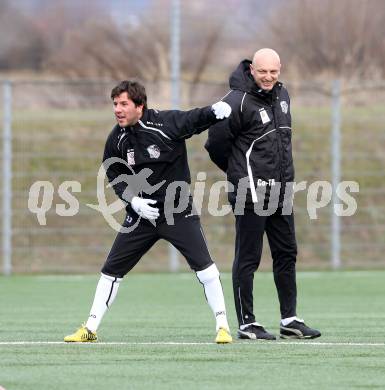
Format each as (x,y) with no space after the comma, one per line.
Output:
(7,177)
(335,238)
(175,92)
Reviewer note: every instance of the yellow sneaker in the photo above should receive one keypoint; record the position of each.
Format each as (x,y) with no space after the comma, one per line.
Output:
(223,336)
(82,335)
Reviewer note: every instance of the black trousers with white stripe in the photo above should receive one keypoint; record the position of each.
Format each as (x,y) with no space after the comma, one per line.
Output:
(280,231)
(185,234)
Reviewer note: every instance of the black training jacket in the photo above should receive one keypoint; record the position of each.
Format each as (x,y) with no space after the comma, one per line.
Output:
(156,142)
(255,141)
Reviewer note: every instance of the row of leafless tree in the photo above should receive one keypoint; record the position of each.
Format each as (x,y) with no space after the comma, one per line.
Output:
(315,38)
(344,37)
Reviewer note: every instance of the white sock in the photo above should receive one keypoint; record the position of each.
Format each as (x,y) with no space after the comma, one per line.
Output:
(286,321)
(244,326)
(209,277)
(105,294)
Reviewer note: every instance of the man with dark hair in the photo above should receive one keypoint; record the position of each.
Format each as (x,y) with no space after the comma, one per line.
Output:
(254,148)
(143,140)
(135,91)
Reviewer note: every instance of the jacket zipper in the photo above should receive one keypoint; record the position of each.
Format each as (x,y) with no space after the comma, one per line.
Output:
(281,177)
(120,139)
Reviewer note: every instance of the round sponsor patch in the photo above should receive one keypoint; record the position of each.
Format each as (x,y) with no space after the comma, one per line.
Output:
(284,106)
(153,151)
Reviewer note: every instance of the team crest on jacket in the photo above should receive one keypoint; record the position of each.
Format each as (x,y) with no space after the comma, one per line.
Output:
(284,106)
(130,157)
(153,151)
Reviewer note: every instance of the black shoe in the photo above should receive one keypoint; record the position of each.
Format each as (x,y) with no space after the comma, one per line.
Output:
(298,330)
(255,332)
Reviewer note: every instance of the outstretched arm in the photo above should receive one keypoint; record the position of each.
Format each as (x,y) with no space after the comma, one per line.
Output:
(184,124)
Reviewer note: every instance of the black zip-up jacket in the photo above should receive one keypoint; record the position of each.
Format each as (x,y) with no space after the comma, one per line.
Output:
(156,142)
(255,141)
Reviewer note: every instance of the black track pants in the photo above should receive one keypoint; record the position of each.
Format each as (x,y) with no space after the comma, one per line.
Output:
(185,234)
(248,249)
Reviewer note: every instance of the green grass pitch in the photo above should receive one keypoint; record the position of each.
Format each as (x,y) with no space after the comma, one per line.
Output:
(152,311)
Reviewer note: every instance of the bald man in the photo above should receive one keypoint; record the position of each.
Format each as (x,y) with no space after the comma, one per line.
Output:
(254,148)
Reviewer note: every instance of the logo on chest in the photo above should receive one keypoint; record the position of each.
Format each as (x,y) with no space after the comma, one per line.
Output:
(153,151)
(284,106)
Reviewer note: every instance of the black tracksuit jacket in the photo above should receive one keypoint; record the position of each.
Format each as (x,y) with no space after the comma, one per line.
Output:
(156,142)
(255,141)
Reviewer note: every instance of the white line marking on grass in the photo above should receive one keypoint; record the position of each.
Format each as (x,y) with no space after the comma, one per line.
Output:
(99,343)
(307,343)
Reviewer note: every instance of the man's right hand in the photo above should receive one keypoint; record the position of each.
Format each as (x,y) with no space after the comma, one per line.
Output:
(142,208)
(221,110)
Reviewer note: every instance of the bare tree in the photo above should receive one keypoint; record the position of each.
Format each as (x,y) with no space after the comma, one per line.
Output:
(21,44)
(344,37)
(103,48)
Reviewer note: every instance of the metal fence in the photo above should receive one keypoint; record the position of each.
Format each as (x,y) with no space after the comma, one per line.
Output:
(54,131)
